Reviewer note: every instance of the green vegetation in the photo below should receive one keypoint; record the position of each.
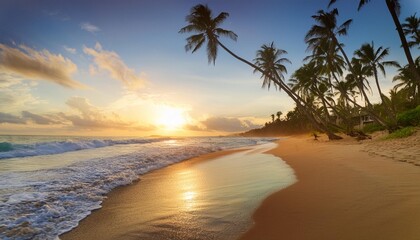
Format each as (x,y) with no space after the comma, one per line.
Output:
(331,90)
(373,128)
(410,117)
(401,133)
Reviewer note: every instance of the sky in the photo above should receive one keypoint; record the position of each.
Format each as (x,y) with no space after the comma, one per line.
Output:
(120,68)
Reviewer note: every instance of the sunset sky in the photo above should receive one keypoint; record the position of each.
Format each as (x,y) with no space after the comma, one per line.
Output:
(119,67)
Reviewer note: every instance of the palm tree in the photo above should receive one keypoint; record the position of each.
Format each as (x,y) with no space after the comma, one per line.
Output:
(345,91)
(394,9)
(406,82)
(269,59)
(279,113)
(411,29)
(207,29)
(373,60)
(326,31)
(326,58)
(307,81)
(358,76)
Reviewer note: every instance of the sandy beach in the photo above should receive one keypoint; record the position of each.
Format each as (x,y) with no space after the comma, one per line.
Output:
(344,191)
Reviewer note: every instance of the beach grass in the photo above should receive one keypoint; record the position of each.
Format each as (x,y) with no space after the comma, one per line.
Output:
(401,133)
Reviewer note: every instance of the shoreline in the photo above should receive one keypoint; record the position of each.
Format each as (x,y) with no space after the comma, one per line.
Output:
(212,196)
(84,230)
(343,192)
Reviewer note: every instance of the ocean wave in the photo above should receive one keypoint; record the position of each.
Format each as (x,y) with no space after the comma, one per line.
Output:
(12,150)
(43,204)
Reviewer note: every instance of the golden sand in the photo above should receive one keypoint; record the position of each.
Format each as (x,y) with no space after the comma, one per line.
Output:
(343,192)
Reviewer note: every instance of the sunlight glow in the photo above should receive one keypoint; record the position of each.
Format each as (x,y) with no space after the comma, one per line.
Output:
(190,195)
(171,118)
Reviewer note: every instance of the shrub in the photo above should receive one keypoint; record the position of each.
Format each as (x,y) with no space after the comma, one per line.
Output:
(409,118)
(401,133)
(373,127)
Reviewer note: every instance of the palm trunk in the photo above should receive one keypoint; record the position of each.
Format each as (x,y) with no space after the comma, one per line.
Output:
(338,114)
(362,90)
(317,125)
(404,43)
(391,113)
(375,74)
(327,114)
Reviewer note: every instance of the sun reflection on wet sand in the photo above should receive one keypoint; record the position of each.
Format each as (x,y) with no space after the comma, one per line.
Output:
(196,199)
(187,182)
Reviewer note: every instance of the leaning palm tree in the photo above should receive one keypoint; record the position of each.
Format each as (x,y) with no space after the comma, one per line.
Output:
(270,58)
(394,7)
(327,30)
(326,57)
(207,29)
(373,59)
(359,77)
(270,62)
(411,28)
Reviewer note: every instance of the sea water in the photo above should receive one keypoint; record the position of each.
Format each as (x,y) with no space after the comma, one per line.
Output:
(48,184)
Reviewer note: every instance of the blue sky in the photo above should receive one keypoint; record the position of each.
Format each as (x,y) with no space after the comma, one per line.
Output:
(133,71)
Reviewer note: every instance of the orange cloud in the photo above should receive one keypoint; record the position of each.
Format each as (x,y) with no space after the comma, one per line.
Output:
(112,63)
(38,65)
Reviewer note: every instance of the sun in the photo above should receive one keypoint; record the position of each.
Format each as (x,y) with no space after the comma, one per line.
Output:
(171,118)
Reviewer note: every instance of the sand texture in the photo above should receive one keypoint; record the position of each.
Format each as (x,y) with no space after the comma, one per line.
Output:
(404,149)
(343,192)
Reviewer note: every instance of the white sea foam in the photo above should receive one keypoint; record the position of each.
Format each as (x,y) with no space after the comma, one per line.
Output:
(42,204)
(56,147)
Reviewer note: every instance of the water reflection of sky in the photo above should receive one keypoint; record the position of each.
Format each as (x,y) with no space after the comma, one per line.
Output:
(219,196)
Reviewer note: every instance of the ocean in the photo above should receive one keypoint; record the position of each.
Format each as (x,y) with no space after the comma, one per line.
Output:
(49,183)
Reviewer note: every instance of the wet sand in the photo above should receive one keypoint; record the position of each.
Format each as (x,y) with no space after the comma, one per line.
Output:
(343,192)
(209,197)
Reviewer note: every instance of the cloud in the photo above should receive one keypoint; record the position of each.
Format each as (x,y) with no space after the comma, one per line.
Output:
(31,117)
(112,63)
(89,27)
(69,49)
(39,119)
(38,65)
(15,93)
(92,117)
(224,124)
(9,118)
(84,116)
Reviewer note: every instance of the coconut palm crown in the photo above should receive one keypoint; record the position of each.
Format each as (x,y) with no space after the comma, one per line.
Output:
(207,29)
(270,61)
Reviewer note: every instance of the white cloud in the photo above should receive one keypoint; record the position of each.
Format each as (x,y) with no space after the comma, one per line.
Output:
(89,27)
(69,49)
(38,65)
(111,62)
(15,93)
